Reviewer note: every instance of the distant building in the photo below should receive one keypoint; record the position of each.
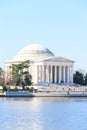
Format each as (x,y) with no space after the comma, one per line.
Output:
(45,67)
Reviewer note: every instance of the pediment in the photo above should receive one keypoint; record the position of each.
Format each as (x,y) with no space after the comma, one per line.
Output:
(57,59)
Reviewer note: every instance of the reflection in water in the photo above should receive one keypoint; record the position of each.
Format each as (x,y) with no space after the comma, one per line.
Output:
(46,99)
(43,113)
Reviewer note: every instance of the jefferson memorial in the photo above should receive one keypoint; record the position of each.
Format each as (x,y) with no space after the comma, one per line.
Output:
(45,67)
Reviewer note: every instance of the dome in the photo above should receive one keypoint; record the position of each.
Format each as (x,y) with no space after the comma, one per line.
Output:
(33,52)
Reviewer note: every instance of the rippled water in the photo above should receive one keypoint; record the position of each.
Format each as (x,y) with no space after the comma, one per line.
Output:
(43,113)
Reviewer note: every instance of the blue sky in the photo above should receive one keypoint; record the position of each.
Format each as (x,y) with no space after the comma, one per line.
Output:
(60,25)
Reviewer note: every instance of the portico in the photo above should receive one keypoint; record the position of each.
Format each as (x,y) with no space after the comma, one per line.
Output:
(54,73)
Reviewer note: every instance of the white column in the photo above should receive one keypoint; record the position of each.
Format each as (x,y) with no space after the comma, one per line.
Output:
(35,77)
(40,78)
(51,73)
(67,74)
(43,73)
(37,73)
(72,74)
(55,74)
(48,74)
(40,73)
(46,71)
(64,74)
(59,74)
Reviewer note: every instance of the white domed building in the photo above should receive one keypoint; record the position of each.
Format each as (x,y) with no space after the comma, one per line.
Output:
(45,67)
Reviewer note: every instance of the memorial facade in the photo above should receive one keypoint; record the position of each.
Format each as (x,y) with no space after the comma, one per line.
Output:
(45,67)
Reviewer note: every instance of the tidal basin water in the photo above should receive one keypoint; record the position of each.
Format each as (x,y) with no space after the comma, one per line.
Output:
(47,113)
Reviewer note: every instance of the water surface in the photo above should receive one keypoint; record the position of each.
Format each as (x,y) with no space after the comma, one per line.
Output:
(47,113)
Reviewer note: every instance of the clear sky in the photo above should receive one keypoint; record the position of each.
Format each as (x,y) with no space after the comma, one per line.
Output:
(60,25)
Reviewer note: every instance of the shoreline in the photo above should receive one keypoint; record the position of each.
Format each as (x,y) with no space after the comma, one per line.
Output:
(44,94)
(50,91)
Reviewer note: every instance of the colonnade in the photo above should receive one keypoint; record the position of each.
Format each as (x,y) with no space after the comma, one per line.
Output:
(54,74)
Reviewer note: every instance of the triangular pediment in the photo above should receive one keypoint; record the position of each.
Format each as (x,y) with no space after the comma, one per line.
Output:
(57,59)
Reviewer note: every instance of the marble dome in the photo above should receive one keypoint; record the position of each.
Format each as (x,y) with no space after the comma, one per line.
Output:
(33,52)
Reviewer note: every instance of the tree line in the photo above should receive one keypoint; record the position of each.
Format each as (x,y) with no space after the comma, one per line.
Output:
(80,78)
